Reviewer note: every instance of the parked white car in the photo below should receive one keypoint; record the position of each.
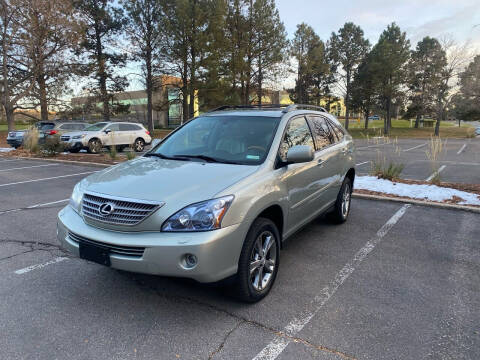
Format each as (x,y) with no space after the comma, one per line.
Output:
(106,134)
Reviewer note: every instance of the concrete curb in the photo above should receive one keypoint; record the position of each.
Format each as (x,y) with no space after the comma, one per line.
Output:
(61,161)
(418,202)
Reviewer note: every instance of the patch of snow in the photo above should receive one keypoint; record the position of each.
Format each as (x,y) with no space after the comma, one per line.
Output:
(6,149)
(83,151)
(415,191)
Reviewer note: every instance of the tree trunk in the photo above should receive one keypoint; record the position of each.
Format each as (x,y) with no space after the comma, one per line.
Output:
(417,121)
(367,112)
(42,88)
(260,81)
(102,75)
(347,100)
(386,129)
(437,124)
(149,83)
(10,115)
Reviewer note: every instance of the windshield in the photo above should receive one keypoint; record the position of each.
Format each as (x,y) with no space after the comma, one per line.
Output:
(96,127)
(44,126)
(230,139)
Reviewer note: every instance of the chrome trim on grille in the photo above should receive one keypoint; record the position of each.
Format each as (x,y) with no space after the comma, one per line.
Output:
(64,138)
(127,211)
(132,251)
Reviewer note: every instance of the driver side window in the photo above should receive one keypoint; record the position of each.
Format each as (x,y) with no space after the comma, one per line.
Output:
(296,133)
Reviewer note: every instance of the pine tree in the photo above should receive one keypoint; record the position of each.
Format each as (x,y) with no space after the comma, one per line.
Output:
(103,23)
(348,48)
(388,64)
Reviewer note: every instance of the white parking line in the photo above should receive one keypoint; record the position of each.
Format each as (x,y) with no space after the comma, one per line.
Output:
(439,171)
(415,147)
(362,163)
(34,206)
(277,345)
(28,167)
(50,178)
(39,266)
(461,149)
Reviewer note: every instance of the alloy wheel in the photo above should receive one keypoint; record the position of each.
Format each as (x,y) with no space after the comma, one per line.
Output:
(346,198)
(263,260)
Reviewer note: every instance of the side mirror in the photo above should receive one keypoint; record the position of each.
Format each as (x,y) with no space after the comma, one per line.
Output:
(106,131)
(300,154)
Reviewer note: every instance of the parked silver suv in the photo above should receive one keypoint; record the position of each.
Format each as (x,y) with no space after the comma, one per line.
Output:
(216,198)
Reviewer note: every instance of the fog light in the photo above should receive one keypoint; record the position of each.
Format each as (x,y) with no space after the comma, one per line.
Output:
(190,261)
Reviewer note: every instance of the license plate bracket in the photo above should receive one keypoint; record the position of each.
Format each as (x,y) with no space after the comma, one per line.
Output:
(94,253)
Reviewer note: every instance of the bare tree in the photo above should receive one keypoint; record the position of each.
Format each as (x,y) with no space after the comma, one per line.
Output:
(52,31)
(458,57)
(17,74)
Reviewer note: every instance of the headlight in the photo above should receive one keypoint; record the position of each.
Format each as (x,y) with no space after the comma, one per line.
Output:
(77,195)
(202,216)
(78,136)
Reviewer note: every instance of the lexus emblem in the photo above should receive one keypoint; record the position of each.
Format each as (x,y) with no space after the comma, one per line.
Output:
(106,209)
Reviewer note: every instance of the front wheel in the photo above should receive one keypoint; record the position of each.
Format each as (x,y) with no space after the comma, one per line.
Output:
(259,261)
(342,206)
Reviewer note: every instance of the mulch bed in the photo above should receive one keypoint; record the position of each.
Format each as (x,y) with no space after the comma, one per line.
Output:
(97,158)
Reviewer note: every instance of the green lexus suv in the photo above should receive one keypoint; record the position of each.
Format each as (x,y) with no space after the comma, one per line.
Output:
(217,197)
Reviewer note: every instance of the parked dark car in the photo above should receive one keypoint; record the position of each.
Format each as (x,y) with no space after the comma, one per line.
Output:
(45,129)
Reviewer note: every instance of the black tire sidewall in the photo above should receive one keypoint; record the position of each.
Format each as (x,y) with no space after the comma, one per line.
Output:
(338,215)
(245,289)
(90,144)
(135,145)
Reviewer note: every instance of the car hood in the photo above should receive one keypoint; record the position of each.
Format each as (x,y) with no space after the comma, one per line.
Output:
(184,182)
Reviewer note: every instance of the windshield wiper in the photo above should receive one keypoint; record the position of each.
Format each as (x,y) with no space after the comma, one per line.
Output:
(161,156)
(206,158)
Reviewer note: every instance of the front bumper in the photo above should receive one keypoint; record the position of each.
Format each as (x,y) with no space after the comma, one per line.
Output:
(73,145)
(217,251)
(14,142)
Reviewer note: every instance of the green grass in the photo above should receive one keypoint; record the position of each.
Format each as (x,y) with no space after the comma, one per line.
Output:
(402,129)
(4,127)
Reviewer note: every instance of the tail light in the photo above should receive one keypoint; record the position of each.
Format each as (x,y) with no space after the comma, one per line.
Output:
(148,132)
(52,132)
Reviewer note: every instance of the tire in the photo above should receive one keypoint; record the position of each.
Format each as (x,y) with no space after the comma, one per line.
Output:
(343,204)
(139,145)
(94,146)
(248,287)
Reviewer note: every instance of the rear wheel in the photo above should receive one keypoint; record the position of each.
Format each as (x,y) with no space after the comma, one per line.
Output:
(139,145)
(342,206)
(259,260)
(94,146)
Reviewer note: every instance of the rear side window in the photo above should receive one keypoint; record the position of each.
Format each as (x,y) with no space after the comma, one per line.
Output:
(113,127)
(337,130)
(296,133)
(129,127)
(321,131)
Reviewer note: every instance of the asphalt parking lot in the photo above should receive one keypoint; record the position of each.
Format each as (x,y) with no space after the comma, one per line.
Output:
(394,282)
(459,161)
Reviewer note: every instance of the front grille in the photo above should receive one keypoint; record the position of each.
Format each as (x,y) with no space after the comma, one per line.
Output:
(112,249)
(124,212)
(65,138)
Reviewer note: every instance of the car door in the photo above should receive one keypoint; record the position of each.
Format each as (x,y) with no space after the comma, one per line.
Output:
(328,158)
(300,179)
(110,135)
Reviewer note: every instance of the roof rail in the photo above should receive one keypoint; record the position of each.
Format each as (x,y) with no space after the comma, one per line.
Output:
(255,106)
(304,107)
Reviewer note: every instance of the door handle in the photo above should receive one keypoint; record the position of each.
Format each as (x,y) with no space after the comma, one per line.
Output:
(321,162)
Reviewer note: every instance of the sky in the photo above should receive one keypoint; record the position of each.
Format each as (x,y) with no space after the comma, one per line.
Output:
(419,18)
(457,19)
